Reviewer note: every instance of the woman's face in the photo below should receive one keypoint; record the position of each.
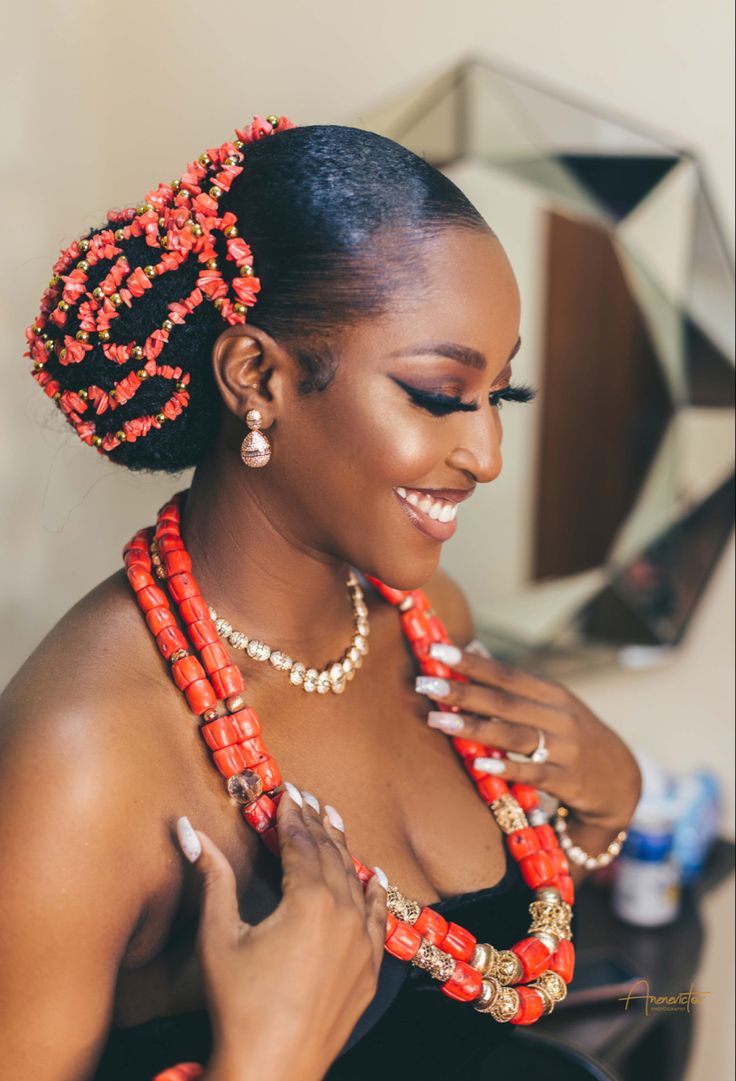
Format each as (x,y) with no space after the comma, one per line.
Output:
(372,470)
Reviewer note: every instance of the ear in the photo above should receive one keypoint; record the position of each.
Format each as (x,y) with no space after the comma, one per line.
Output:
(251,371)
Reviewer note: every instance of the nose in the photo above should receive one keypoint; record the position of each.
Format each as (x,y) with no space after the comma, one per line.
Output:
(478,450)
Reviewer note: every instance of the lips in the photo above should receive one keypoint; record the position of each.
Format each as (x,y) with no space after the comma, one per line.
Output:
(432,510)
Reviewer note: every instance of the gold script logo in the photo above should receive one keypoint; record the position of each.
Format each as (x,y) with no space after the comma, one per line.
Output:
(677,1003)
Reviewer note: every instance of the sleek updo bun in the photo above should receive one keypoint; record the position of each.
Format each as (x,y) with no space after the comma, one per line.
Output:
(330,214)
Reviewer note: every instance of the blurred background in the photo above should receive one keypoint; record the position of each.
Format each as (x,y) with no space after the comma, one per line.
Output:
(598,142)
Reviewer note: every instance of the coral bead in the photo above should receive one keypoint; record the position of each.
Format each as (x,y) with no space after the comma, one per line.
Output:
(247,723)
(269,773)
(270,838)
(202,633)
(158,618)
(563,960)
(490,788)
(176,562)
(436,629)
(547,837)
(432,667)
(200,696)
(415,624)
(470,748)
(364,873)
(537,869)
(530,1009)
(534,957)
(183,586)
(185,1071)
(404,941)
(227,681)
(214,657)
(432,926)
(458,942)
(186,671)
(566,886)
(151,597)
(260,815)
(139,576)
(522,843)
(220,733)
(526,796)
(194,608)
(169,640)
(230,760)
(254,751)
(559,861)
(465,984)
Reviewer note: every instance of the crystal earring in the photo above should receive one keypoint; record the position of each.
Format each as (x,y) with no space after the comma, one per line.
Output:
(255,450)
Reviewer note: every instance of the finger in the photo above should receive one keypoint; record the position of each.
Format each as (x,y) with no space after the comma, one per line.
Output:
(488,670)
(376,908)
(549,777)
(504,735)
(488,701)
(335,873)
(220,921)
(300,862)
(335,827)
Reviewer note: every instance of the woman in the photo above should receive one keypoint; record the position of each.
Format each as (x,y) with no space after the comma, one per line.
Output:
(370,370)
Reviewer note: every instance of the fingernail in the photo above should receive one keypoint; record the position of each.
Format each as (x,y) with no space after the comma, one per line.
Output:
(312,801)
(446,722)
(189,843)
(294,792)
(477,647)
(432,686)
(381,878)
(448,654)
(334,817)
(490,765)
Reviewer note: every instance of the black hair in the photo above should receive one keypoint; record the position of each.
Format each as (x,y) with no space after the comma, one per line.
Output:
(331,214)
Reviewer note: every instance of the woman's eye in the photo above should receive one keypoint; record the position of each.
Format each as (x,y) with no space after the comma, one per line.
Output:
(512,393)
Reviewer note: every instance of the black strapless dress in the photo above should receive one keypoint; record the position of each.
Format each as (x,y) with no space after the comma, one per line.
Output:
(410,1030)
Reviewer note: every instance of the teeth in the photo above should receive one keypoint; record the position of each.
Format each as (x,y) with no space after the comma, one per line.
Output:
(436,509)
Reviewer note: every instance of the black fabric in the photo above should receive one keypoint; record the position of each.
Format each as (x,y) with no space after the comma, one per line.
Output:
(410,1030)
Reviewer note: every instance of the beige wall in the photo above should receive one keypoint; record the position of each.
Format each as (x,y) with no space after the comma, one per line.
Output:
(103,99)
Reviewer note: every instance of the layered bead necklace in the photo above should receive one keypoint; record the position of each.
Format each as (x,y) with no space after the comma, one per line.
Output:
(514,985)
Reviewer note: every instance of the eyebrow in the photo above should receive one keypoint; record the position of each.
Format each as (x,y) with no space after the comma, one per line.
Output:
(463,354)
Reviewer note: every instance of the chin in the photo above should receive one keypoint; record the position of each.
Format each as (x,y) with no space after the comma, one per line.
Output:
(401,572)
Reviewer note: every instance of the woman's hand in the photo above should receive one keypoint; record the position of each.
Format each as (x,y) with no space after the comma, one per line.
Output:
(285,994)
(589,768)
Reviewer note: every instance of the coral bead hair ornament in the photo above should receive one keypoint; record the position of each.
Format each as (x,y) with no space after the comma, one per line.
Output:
(516,984)
(180,222)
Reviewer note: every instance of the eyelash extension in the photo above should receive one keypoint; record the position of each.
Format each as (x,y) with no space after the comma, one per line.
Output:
(440,405)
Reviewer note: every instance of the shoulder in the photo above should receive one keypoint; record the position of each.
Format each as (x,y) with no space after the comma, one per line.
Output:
(451,605)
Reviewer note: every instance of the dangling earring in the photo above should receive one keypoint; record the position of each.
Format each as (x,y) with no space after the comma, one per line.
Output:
(255,450)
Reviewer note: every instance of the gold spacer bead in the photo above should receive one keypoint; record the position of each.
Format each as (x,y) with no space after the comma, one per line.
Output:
(97,293)
(38,365)
(113,395)
(82,336)
(230,160)
(163,241)
(142,374)
(204,159)
(185,194)
(232,231)
(48,346)
(96,440)
(119,234)
(62,354)
(63,306)
(175,185)
(57,395)
(197,229)
(246,272)
(239,308)
(167,325)
(178,655)
(160,417)
(273,120)
(212,264)
(137,352)
(143,208)
(104,335)
(116,300)
(83,265)
(120,436)
(35,329)
(83,245)
(150,271)
(162,222)
(218,303)
(238,144)
(83,394)
(180,386)
(215,192)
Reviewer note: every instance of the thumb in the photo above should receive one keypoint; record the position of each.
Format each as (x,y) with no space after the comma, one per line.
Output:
(219,922)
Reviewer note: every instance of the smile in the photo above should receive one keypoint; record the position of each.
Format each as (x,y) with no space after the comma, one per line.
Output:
(432,515)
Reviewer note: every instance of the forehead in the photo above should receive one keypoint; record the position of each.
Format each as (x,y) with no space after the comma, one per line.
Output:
(465,292)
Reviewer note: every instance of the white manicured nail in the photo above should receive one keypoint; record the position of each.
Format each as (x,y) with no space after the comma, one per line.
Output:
(312,801)
(448,654)
(432,686)
(446,722)
(188,840)
(335,818)
(477,647)
(294,792)
(381,878)
(490,765)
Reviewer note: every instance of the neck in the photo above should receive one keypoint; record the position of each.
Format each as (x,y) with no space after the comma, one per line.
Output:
(260,579)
